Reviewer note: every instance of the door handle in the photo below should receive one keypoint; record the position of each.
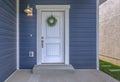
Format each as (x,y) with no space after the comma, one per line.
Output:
(42,43)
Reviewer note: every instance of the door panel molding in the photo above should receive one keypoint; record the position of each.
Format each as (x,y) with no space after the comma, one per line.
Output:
(62,8)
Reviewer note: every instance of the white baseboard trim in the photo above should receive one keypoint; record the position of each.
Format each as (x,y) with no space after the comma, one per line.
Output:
(10,76)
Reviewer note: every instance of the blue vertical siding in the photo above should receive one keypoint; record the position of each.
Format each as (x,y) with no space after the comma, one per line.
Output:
(82,33)
(7,38)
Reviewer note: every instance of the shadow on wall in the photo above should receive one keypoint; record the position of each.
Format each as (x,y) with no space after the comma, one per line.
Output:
(101,1)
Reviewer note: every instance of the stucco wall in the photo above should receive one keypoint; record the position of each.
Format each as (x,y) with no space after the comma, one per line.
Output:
(110,31)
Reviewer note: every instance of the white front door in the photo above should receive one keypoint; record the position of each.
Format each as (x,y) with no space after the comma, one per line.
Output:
(52,40)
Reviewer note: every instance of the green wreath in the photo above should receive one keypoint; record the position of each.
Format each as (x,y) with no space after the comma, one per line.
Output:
(51,21)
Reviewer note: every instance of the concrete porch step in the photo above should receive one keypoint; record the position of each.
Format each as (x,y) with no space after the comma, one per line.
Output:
(38,69)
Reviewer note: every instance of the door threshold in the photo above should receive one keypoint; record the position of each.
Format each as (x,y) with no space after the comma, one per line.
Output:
(53,64)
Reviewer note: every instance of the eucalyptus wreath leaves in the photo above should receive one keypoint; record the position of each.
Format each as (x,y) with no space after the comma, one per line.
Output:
(51,21)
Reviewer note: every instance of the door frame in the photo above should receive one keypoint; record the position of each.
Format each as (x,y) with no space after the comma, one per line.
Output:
(64,8)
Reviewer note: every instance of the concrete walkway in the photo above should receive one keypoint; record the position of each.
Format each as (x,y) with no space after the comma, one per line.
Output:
(77,76)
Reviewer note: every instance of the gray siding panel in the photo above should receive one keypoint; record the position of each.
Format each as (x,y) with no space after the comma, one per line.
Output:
(7,38)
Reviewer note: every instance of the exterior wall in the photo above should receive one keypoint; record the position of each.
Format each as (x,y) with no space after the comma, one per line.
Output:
(7,38)
(110,31)
(82,33)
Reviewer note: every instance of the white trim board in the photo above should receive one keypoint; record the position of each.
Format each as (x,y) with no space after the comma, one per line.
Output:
(97,34)
(17,32)
(41,8)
